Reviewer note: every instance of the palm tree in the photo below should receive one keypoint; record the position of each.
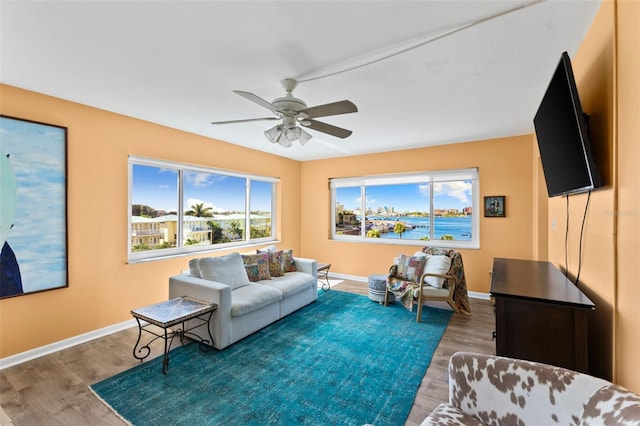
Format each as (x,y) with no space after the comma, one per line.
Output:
(399,228)
(235,229)
(373,233)
(216,232)
(199,210)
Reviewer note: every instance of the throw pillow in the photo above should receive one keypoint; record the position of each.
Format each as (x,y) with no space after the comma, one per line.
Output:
(410,267)
(437,265)
(193,268)
(289,263)
(257,266)
(276,262)
(227,269)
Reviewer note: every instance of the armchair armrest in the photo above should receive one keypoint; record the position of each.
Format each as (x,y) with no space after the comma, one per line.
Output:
(449,283)
(431,274)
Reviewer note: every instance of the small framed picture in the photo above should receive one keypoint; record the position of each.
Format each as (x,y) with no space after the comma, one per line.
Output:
(494,206)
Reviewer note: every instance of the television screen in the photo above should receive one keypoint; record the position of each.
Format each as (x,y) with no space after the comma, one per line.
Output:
(563,136)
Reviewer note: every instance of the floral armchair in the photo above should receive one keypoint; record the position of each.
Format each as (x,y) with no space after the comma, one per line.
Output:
(425,276)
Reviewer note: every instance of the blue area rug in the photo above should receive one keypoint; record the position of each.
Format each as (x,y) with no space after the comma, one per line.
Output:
(343,360)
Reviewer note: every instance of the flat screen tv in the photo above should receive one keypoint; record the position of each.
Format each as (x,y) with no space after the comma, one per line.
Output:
(562,130)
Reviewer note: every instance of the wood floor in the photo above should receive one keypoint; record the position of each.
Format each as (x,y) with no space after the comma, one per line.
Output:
(53,389)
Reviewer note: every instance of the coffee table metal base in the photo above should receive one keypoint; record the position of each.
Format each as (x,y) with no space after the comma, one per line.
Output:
(323,272)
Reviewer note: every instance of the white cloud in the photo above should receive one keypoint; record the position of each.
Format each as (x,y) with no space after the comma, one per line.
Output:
(459,189)
(201,180)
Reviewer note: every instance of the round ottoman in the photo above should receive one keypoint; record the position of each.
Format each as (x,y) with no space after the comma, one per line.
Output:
(377,288)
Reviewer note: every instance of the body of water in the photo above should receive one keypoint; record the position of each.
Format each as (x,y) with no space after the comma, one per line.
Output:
(458,227)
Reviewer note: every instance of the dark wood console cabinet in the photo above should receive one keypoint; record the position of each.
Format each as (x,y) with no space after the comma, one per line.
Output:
(540,314)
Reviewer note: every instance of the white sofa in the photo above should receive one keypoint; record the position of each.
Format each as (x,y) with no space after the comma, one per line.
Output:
(244,307)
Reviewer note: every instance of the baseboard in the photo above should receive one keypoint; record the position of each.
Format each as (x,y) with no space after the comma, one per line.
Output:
(63,344)
(477,295)
(348,277)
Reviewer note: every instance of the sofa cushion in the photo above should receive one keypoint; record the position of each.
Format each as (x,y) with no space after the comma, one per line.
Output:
(276,262)
(257,266)
(289,262)
(291,283)
(227,269)
(429,291)
(446,414)
(252,297)
(436,265)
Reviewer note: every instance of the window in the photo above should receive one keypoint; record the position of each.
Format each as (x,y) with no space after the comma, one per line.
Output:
(176,209)
(430,208)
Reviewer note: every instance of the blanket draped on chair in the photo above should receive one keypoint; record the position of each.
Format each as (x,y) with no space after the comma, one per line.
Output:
(405,290)
(460,296)
(402,289)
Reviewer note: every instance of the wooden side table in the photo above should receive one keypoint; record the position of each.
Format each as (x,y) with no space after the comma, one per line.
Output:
(323,272)
(170,313)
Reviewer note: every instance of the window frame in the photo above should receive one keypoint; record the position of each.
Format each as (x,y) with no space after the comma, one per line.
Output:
(430,177)
(181,249)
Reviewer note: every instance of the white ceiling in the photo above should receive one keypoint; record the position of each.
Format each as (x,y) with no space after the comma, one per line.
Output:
(176,63)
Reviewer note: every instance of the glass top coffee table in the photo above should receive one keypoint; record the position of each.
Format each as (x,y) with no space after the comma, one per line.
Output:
(167,314)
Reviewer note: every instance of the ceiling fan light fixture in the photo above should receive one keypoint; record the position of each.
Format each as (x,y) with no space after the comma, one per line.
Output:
(285,142)
(304,137)
(274,133)
(292,133)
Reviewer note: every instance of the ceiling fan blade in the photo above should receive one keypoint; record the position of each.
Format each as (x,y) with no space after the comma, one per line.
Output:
(244,121)
(257,99)
(334,108)
(328,129)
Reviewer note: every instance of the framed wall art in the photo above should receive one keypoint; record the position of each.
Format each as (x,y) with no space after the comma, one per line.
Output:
(33,227)
(494,206)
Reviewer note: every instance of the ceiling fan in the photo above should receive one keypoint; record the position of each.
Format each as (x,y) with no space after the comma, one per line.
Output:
(293,111)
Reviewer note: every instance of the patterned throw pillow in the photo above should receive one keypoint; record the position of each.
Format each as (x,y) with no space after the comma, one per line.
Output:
(257,266)
(410,267)
(276,262)
(289,264)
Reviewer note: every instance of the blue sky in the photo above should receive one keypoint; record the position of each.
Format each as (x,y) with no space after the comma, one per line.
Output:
(37,155)
(158,188)
(409,197)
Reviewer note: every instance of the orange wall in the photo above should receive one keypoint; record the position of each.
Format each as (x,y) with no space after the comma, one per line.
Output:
(628,196)
(505,168)
(594,73)
(103,288)
(606,67)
